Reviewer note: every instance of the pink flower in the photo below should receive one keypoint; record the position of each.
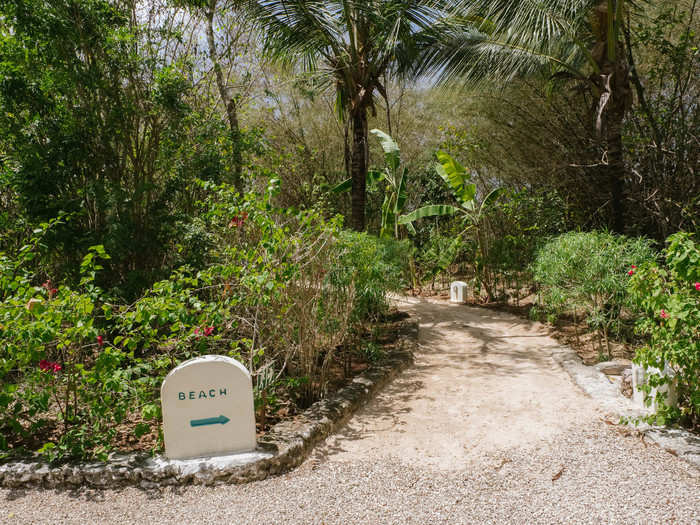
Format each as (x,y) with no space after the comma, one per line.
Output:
(238,220)
(697,286)
(208,331)
(196,331)
(48,366)
(631,272)
(664,315)
(100,340)
(633,267)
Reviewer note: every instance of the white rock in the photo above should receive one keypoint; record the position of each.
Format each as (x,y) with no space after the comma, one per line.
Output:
(208,408)
(639,378)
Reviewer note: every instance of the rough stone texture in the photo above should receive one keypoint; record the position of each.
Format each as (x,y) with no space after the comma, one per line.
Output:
(613,368)
(281,449)
(626,383)
(434,447)
(678,442)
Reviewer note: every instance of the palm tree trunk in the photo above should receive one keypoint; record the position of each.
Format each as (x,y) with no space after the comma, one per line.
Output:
(616,168)
(614,100)
(359,168)
(226,98)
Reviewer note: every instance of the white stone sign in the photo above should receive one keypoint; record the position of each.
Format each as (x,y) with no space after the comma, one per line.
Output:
(639,377)
(207,408)
(458,292)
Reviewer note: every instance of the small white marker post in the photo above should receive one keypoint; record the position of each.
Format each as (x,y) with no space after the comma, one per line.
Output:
(458,292)
(207,408)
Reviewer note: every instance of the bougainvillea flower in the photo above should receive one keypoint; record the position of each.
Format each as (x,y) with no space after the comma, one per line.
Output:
(697,286)
(238,220)
(664,315)
(49,366)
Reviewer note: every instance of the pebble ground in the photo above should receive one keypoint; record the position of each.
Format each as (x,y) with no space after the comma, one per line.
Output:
(406,458)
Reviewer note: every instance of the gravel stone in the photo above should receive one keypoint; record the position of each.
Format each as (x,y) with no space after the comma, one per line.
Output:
(405,458)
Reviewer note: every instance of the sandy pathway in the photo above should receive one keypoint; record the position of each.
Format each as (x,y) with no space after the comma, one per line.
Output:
(485,428)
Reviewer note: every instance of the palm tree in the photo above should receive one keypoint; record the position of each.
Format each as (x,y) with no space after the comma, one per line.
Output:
(576,40)
(351,45)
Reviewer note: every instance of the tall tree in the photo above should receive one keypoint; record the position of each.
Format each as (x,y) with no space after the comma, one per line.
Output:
(351,45)
(573,40)
(208,11)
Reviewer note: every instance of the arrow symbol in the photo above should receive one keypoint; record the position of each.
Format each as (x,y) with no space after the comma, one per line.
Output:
(219,420)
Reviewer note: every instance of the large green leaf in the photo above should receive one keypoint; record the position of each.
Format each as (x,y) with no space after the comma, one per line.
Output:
(456,177)
(373,176)
(391,149)
(346,185)
(432,210)
(491,198)
(402,195)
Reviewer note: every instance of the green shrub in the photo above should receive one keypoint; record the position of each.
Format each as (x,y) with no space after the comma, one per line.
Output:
(669,297)
(375,266)
(280,291)
(587,273)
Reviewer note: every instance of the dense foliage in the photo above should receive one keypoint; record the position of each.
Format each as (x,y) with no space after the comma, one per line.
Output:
(586,274)
(282,292)
(669,297)
(167,172)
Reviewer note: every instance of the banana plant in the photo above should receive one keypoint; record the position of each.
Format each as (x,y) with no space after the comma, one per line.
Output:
(459,182)
(458,179)
(394,174)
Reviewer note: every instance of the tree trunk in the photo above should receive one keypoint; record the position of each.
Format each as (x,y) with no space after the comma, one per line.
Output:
(616,169)
(613,82)
(359,168)
(226,98)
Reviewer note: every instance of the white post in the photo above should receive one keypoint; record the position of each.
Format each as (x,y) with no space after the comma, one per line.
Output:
(458,292)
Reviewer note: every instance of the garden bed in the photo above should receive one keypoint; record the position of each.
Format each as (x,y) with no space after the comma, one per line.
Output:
(284,446)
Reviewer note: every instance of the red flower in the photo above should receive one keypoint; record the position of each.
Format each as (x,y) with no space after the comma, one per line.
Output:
(238,220)
(100,340)
(52,292)
(47,284)
(633,267)
(631,272)
(697,286)
(208,331)
(196,331)
(48,366)
(664,315)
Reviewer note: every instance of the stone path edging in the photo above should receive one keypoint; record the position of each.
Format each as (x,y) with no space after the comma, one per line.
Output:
(283,448)
(678,442)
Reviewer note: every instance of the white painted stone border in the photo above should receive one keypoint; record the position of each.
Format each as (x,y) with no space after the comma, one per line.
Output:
(286,446)
(678,442)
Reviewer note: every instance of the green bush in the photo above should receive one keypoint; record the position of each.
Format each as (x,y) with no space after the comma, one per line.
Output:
(376,266)
(587,274)
(280,290)
(669,297)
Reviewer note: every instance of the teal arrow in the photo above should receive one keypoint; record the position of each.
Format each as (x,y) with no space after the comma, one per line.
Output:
(209,421)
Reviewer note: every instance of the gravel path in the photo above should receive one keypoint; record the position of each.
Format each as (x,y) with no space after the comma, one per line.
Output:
(485,428)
